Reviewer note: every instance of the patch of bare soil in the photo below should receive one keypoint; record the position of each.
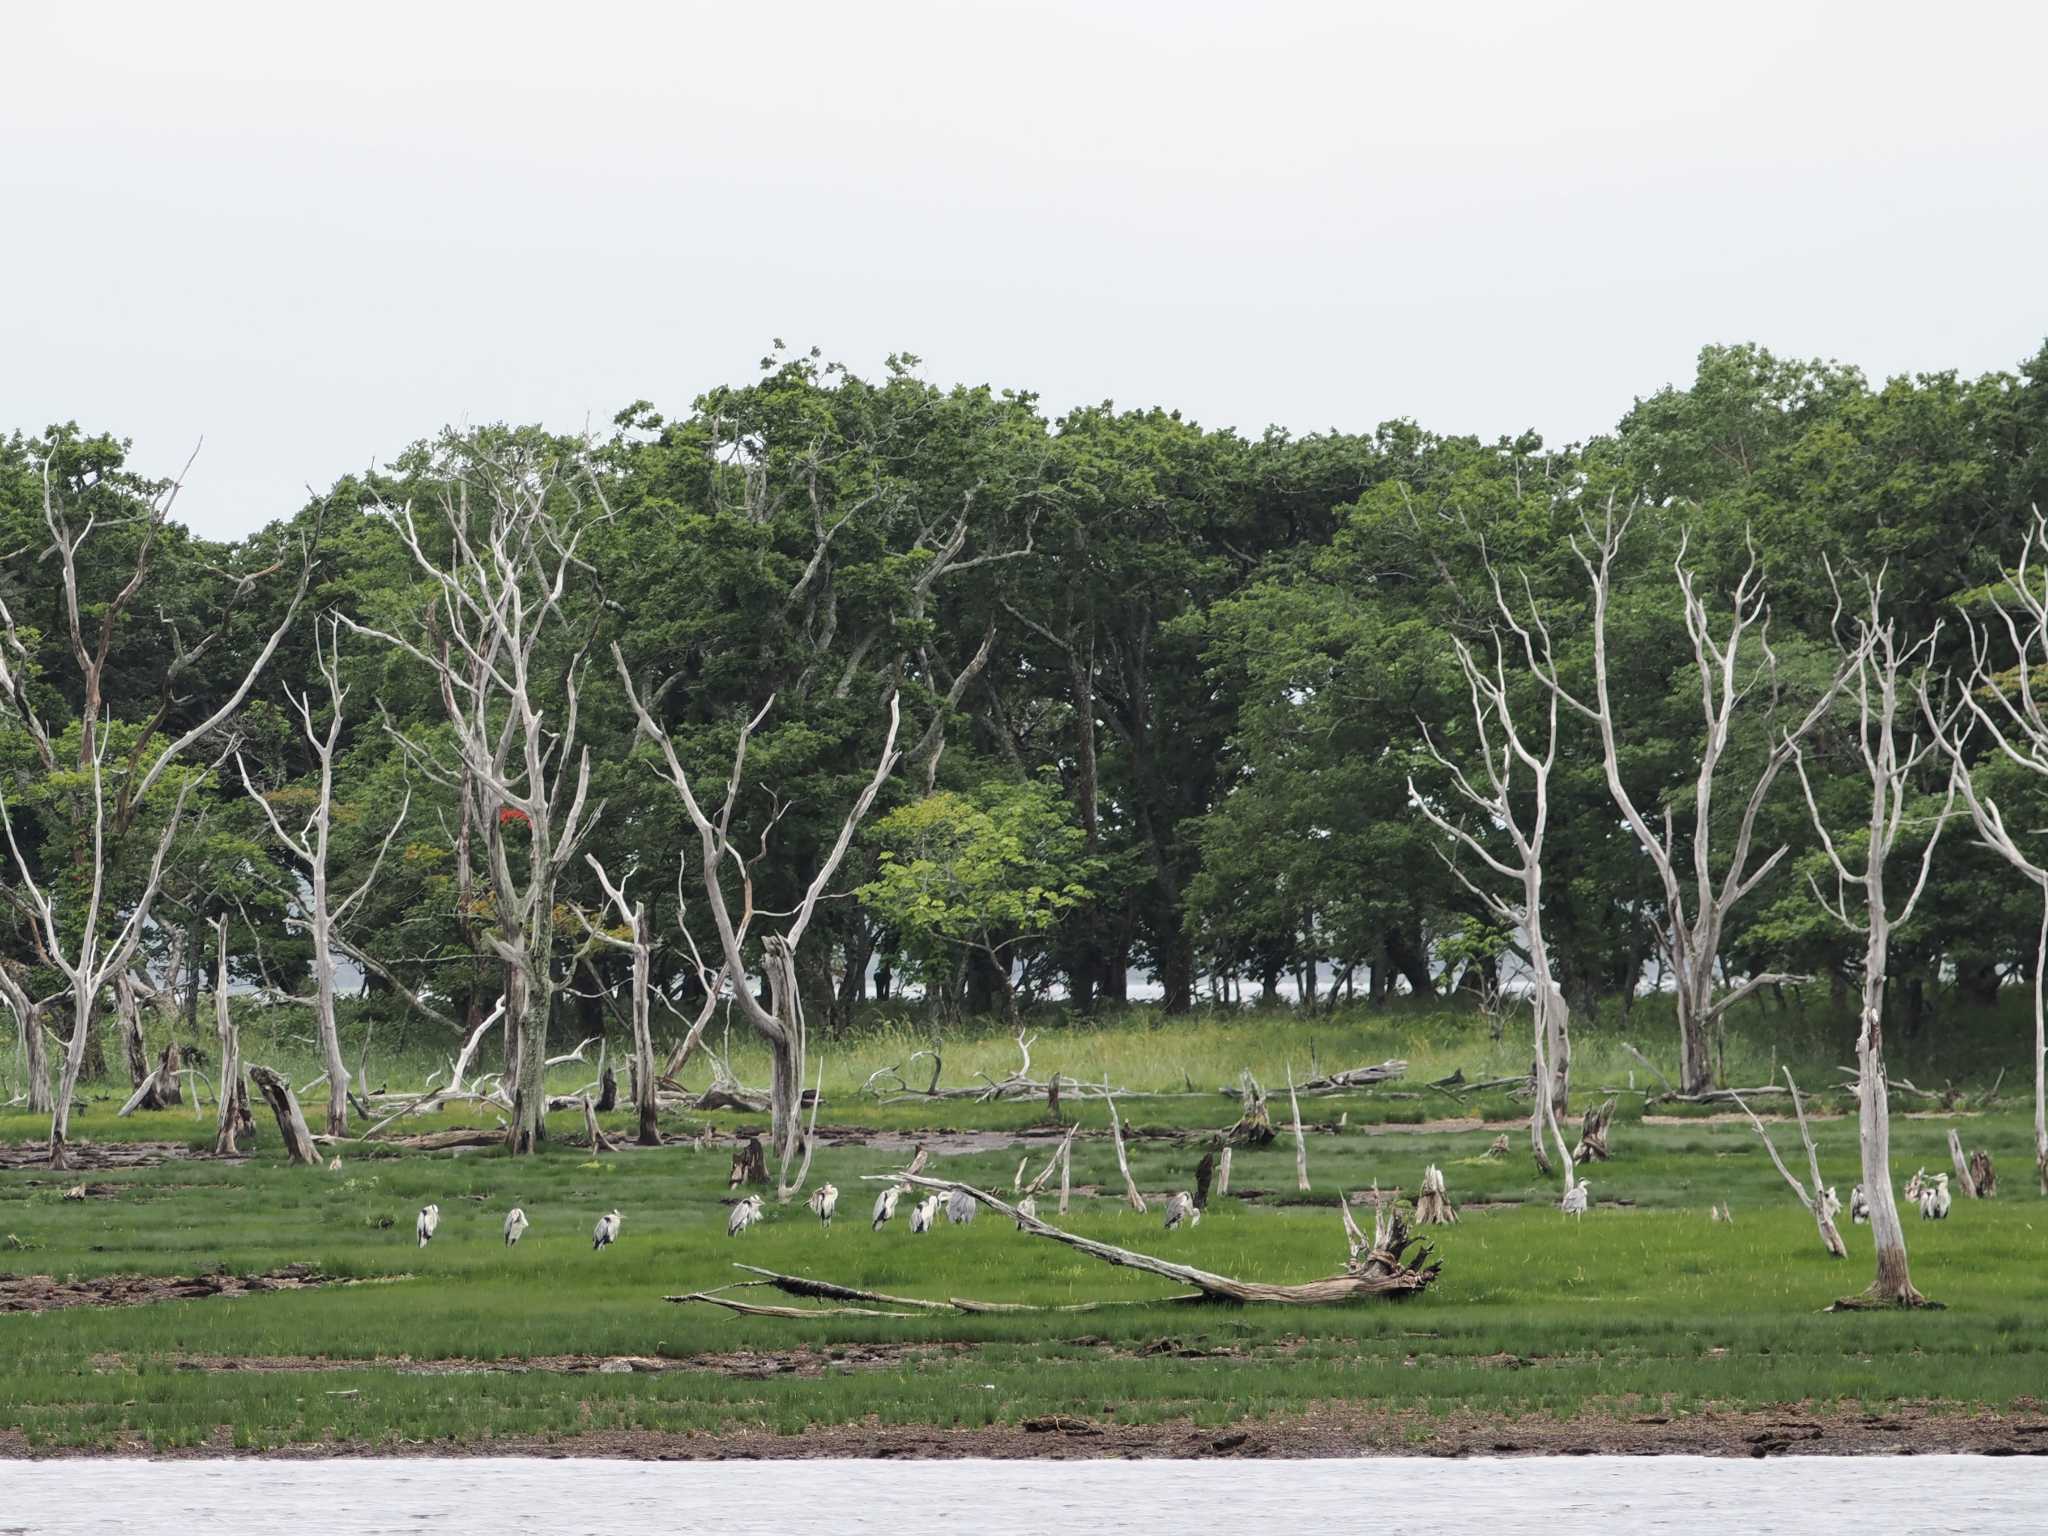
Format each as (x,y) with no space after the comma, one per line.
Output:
(45,1293)
(746,1364)
(91,1157)
(1338,1429)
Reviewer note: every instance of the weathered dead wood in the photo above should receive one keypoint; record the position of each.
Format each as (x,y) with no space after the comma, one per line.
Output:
(1123,1162)
(1981,1174)
(607,1090)
(1592,1147)
(1254,1127)
(750,1309)
(441,1141)
(827,1290)
(749,1164)
(1433,1206)
(1966,1178)
(1391,1269)
(1067,1173)
(1300,1141)
(1222,1174)
(1058,1160)
(1205,1175)
(593,1132)
(1817,1204)
(291,1123)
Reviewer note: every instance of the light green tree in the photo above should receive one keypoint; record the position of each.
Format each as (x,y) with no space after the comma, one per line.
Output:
(986,873)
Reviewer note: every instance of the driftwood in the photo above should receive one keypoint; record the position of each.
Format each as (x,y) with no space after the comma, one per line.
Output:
(1592,1147)
(826,1290)
(749,1164)
(1254,1126)
(1300,1141)
(1818,1204)
(1433,1206)
(1123,1162)
(291,1124)
(1391,1268)
(1338,1082)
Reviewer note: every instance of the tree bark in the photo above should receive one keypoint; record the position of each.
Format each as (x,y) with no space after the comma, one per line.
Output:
(291,1124)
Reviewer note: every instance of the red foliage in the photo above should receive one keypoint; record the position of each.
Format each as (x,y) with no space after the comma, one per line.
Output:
(511,816)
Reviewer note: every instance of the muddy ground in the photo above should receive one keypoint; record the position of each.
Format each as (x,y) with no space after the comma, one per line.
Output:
(46,1293)
(1338,1429)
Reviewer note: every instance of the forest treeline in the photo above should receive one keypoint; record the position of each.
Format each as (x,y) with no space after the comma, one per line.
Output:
(1171,699)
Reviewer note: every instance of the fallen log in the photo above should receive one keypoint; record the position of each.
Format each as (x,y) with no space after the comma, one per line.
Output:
(291,1124)
(1391,1268)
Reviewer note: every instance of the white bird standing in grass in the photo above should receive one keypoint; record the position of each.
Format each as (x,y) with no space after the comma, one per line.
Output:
(924,1213)
(743,1216)
(1028,1206)
(1575,1199)
(1859,1206)
(823,1202)
(1934,1199)
(885,1206)
(960,1207)
(606,1232)
(430,1218)
(1182,1208)
(515,1225)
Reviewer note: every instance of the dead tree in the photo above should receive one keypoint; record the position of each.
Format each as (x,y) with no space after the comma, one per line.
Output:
(28,1023)
(1973,1173)
(1508,756)
(1300,1141)
(1123,1162)
(291,1124)
(233,1121)
(489,640)
(1254,1127)
(779,1021)
(2001,697)
(638,943)
(1817,1203)
(1875,665)
(74,945)
(1433,1206)
(1697,901)
(1389,1269)
(1593,1129)
(749,1164)
(319,915)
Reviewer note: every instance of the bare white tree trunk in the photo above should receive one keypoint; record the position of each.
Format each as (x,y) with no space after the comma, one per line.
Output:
(514,522)
(28,1022)
(233,1120)
(2001,696)
(1694,920)
(1876,664)
(639,945)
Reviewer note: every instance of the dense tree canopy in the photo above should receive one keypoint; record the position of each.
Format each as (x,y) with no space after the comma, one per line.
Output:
(1165,689)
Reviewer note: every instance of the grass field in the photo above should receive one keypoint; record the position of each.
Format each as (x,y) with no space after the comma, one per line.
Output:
(1644,1308)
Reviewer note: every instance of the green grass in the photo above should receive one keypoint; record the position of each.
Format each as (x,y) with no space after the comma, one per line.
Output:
(1643,1303)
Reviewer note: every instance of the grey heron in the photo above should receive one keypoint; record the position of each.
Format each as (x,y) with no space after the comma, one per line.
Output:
(430,1220)
(960,1207)
(885,1206)
(1576,1199)
(924,1213)
(823,1202)
(1181,1208)
(515,1225)
(744,1215)
(606,1232)
(1859,1206)
(1028,1206)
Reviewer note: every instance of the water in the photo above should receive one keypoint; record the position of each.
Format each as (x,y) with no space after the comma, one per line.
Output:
(1614,1495)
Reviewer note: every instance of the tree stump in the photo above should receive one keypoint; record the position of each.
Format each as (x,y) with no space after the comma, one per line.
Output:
(1433,1206)
(607,1091)
(1254,1126)
(749,1164)
(291,1124)
(1052,1099)
(1981,1174)
(1205,1175)
(163,1088)
(1592,1147)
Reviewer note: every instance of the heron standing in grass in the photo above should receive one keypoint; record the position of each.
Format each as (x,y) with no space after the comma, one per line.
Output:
(1576,1199)
(429,1222)
(924,1213)
(606,1231)
(1859,1206)
(823,1202)
(1027,1207)
(1182,1208)
(1934,1199)
(960,1207)
(743,1216)
(885,1206)
(515,1225)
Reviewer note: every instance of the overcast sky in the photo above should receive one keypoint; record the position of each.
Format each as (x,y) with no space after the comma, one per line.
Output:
(314,235)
